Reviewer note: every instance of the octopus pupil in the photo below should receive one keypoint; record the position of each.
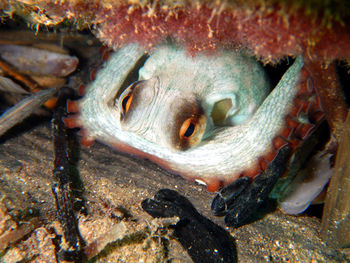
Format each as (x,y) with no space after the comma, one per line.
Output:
(189,130)
(125,102)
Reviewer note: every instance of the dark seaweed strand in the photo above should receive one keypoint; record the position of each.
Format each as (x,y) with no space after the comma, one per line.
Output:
(241,199)
(204,241)
(61,188)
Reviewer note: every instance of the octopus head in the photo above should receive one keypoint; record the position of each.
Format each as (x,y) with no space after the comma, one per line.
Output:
(162,116)
(180,101)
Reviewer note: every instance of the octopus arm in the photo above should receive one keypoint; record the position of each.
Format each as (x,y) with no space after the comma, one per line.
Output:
(237,149)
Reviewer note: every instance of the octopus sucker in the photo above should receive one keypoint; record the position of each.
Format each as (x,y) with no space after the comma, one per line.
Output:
(72,106)
(167,114)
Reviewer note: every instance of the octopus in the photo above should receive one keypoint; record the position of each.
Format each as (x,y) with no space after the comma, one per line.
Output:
(188,140)
(210,117)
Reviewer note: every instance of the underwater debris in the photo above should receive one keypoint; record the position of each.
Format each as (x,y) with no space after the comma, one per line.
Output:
(23,109)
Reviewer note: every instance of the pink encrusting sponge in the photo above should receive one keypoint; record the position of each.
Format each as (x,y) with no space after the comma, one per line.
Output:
(270,32)
(270,29)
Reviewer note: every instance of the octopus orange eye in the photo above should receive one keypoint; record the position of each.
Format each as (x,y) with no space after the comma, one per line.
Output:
(188,129)
(126,102)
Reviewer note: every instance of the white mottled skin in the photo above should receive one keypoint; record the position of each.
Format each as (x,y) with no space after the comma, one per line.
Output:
(223,153)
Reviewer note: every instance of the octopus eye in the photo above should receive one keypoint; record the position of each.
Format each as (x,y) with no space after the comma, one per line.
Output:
(188,129)
(125,102)
(126,98)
